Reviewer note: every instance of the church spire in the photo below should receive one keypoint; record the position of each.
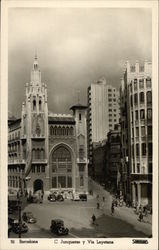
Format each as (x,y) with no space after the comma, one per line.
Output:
(35,73)
(36,66)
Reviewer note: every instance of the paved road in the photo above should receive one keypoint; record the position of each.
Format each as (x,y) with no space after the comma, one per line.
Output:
(77,217)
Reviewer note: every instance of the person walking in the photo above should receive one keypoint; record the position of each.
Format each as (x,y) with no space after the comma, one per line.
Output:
(97,205)
(93,219)
(140,216)
(112,208)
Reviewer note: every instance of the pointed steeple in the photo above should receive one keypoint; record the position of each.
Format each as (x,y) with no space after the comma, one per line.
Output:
(36,66)
(35,73)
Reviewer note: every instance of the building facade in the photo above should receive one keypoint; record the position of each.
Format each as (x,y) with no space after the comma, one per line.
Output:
(113,159)
(103,113)
(137,88)
(47,151)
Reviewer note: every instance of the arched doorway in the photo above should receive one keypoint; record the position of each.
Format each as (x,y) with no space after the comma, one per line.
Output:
(38,185)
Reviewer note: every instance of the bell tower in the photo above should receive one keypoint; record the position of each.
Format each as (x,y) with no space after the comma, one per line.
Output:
(35,125)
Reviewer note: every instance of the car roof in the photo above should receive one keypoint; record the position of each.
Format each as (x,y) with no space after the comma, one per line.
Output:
(57,220)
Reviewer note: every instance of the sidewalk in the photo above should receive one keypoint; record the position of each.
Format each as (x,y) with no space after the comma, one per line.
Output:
(123,213)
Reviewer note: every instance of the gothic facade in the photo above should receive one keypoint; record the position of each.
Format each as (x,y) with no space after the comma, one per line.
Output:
(45,150)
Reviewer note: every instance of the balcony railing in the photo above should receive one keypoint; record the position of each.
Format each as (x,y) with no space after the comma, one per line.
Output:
(39,161)
(16,161)
(81,160)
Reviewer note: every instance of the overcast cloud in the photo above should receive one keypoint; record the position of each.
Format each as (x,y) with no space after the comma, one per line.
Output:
(75,47)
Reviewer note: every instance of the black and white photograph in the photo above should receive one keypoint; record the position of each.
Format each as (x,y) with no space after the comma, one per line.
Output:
(79,123)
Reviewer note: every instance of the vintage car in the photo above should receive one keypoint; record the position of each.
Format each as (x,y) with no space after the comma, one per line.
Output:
(59,197)
(83,197)
(57,227)
(28,217)
(51,197)
(75,197)
(34,199)
(12,220)
(17,228)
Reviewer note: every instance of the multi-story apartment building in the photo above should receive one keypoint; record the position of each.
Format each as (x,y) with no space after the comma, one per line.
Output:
(103,113)
(48,150)
(136,119)
(113,159)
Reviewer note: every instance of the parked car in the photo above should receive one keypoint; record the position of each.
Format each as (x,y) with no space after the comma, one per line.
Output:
(51,197)
(83,197)
(57,227)
(75,197)
(16,228)
(12,220)
(34,199)
(28,217)
(59,197)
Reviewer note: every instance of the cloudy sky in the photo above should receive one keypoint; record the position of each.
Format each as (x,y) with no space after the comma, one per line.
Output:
(75,47)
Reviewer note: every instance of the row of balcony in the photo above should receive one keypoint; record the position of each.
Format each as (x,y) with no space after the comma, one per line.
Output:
(23,161)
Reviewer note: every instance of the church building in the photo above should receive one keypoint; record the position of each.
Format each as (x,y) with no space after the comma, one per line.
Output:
(47,151)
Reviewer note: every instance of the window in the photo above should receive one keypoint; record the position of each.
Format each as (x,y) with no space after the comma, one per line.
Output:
(34,105)
(142,99)
(143,131)
(150,167)
(115,110)
(79,116)
(81,181)
(81,152)
(109,90)
(138,167)
(132,116)
(110,114)
(136,99)
(40,105)
(135,84)
(114,100)
(137,149)
(62,181)
(148,82)
(136,115)
(143,149)
(69,181)
(137,131)
(149,97)
(131,100)
(33,169)
(130,87)
(51,130)
(109,100)
(110,110)
(114,120)
(38,169)
(81,168)
(110,120)
(109,95)
(54,182)
(43,169)
(141,83)
(149,114)
(142,114)
(132,132)
(150,149)
(110,125)
(110,105)
(149,130)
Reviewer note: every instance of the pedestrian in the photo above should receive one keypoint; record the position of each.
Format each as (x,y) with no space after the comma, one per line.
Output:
(97,205)
(93,219)
(103,199)
(112,208)
(140,216)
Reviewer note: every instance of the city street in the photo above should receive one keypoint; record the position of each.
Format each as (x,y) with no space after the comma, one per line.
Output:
(77,217)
